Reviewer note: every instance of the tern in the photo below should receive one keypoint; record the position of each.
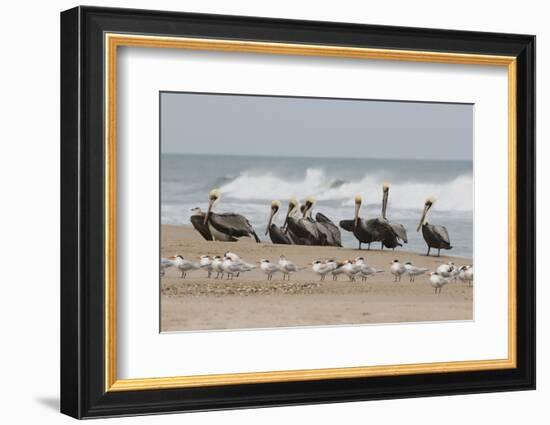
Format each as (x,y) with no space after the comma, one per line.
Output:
(319,267)
(435,236)
(287,267)
(414,271)
(235,267)
(397,269)
(438,281)
(269,268)
(350,269)
(322,268)
(466,274)
(217,266)
(446,270)
(338,270)
(166,263)
(184,265)
(237,260)
(365,270)
(205,263)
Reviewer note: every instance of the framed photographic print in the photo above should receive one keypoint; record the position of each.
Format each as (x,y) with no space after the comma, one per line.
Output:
(261,212)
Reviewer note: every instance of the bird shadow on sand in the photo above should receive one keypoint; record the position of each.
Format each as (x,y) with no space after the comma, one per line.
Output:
(49,402)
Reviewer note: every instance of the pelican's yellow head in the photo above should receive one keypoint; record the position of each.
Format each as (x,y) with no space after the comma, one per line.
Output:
(214,194)
(358,199)
(212,197)
(385,187)
(427,205)
(310,200)
(308,205)
(275,205)
(293,202)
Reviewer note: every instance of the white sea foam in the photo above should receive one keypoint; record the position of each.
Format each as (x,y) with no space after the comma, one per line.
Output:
(453,195)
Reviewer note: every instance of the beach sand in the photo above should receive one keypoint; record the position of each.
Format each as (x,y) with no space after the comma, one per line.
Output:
(250,301)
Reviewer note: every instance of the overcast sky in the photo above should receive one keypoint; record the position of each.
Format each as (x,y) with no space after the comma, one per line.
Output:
(289,126)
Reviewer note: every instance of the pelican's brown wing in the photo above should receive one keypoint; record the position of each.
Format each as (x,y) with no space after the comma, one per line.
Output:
(278,236)
(326,226)
(347,225)
(400,231)
(441,232)
(304,232)
(233,224)
(321,218)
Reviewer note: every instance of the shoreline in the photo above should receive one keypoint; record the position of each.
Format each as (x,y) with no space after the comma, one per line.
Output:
(191,235)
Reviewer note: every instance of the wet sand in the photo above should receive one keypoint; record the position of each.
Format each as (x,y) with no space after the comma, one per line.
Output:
(250,301)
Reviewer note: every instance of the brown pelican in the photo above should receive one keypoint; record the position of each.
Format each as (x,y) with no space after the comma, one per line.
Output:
(276,233)
(226,226)
(434,235)
(329,234)
(301,230)
(366,231)
(398,229)
(390,234)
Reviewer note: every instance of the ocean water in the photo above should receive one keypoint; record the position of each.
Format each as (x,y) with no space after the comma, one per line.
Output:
(249,184)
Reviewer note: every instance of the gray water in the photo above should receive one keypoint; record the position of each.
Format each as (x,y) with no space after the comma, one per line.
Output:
(249,184)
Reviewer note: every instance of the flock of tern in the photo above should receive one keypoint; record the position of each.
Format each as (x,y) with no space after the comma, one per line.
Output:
(232,265)
(301,228)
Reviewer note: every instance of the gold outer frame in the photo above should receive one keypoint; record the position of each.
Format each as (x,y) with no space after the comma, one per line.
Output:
(113,41)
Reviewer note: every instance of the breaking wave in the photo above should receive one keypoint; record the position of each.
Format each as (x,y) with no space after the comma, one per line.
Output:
(452,195)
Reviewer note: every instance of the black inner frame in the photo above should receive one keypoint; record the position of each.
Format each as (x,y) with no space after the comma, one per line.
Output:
(82,207)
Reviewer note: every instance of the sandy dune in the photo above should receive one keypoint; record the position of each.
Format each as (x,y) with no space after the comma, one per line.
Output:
(250,301)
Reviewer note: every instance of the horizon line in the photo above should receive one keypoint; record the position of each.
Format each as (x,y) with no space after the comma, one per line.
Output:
(314,157)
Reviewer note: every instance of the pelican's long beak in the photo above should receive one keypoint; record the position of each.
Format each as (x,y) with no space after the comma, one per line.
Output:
(356,216)
(307,207)
(426,208)
(273,211)
(384,203)
(210,203)
(290,208)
